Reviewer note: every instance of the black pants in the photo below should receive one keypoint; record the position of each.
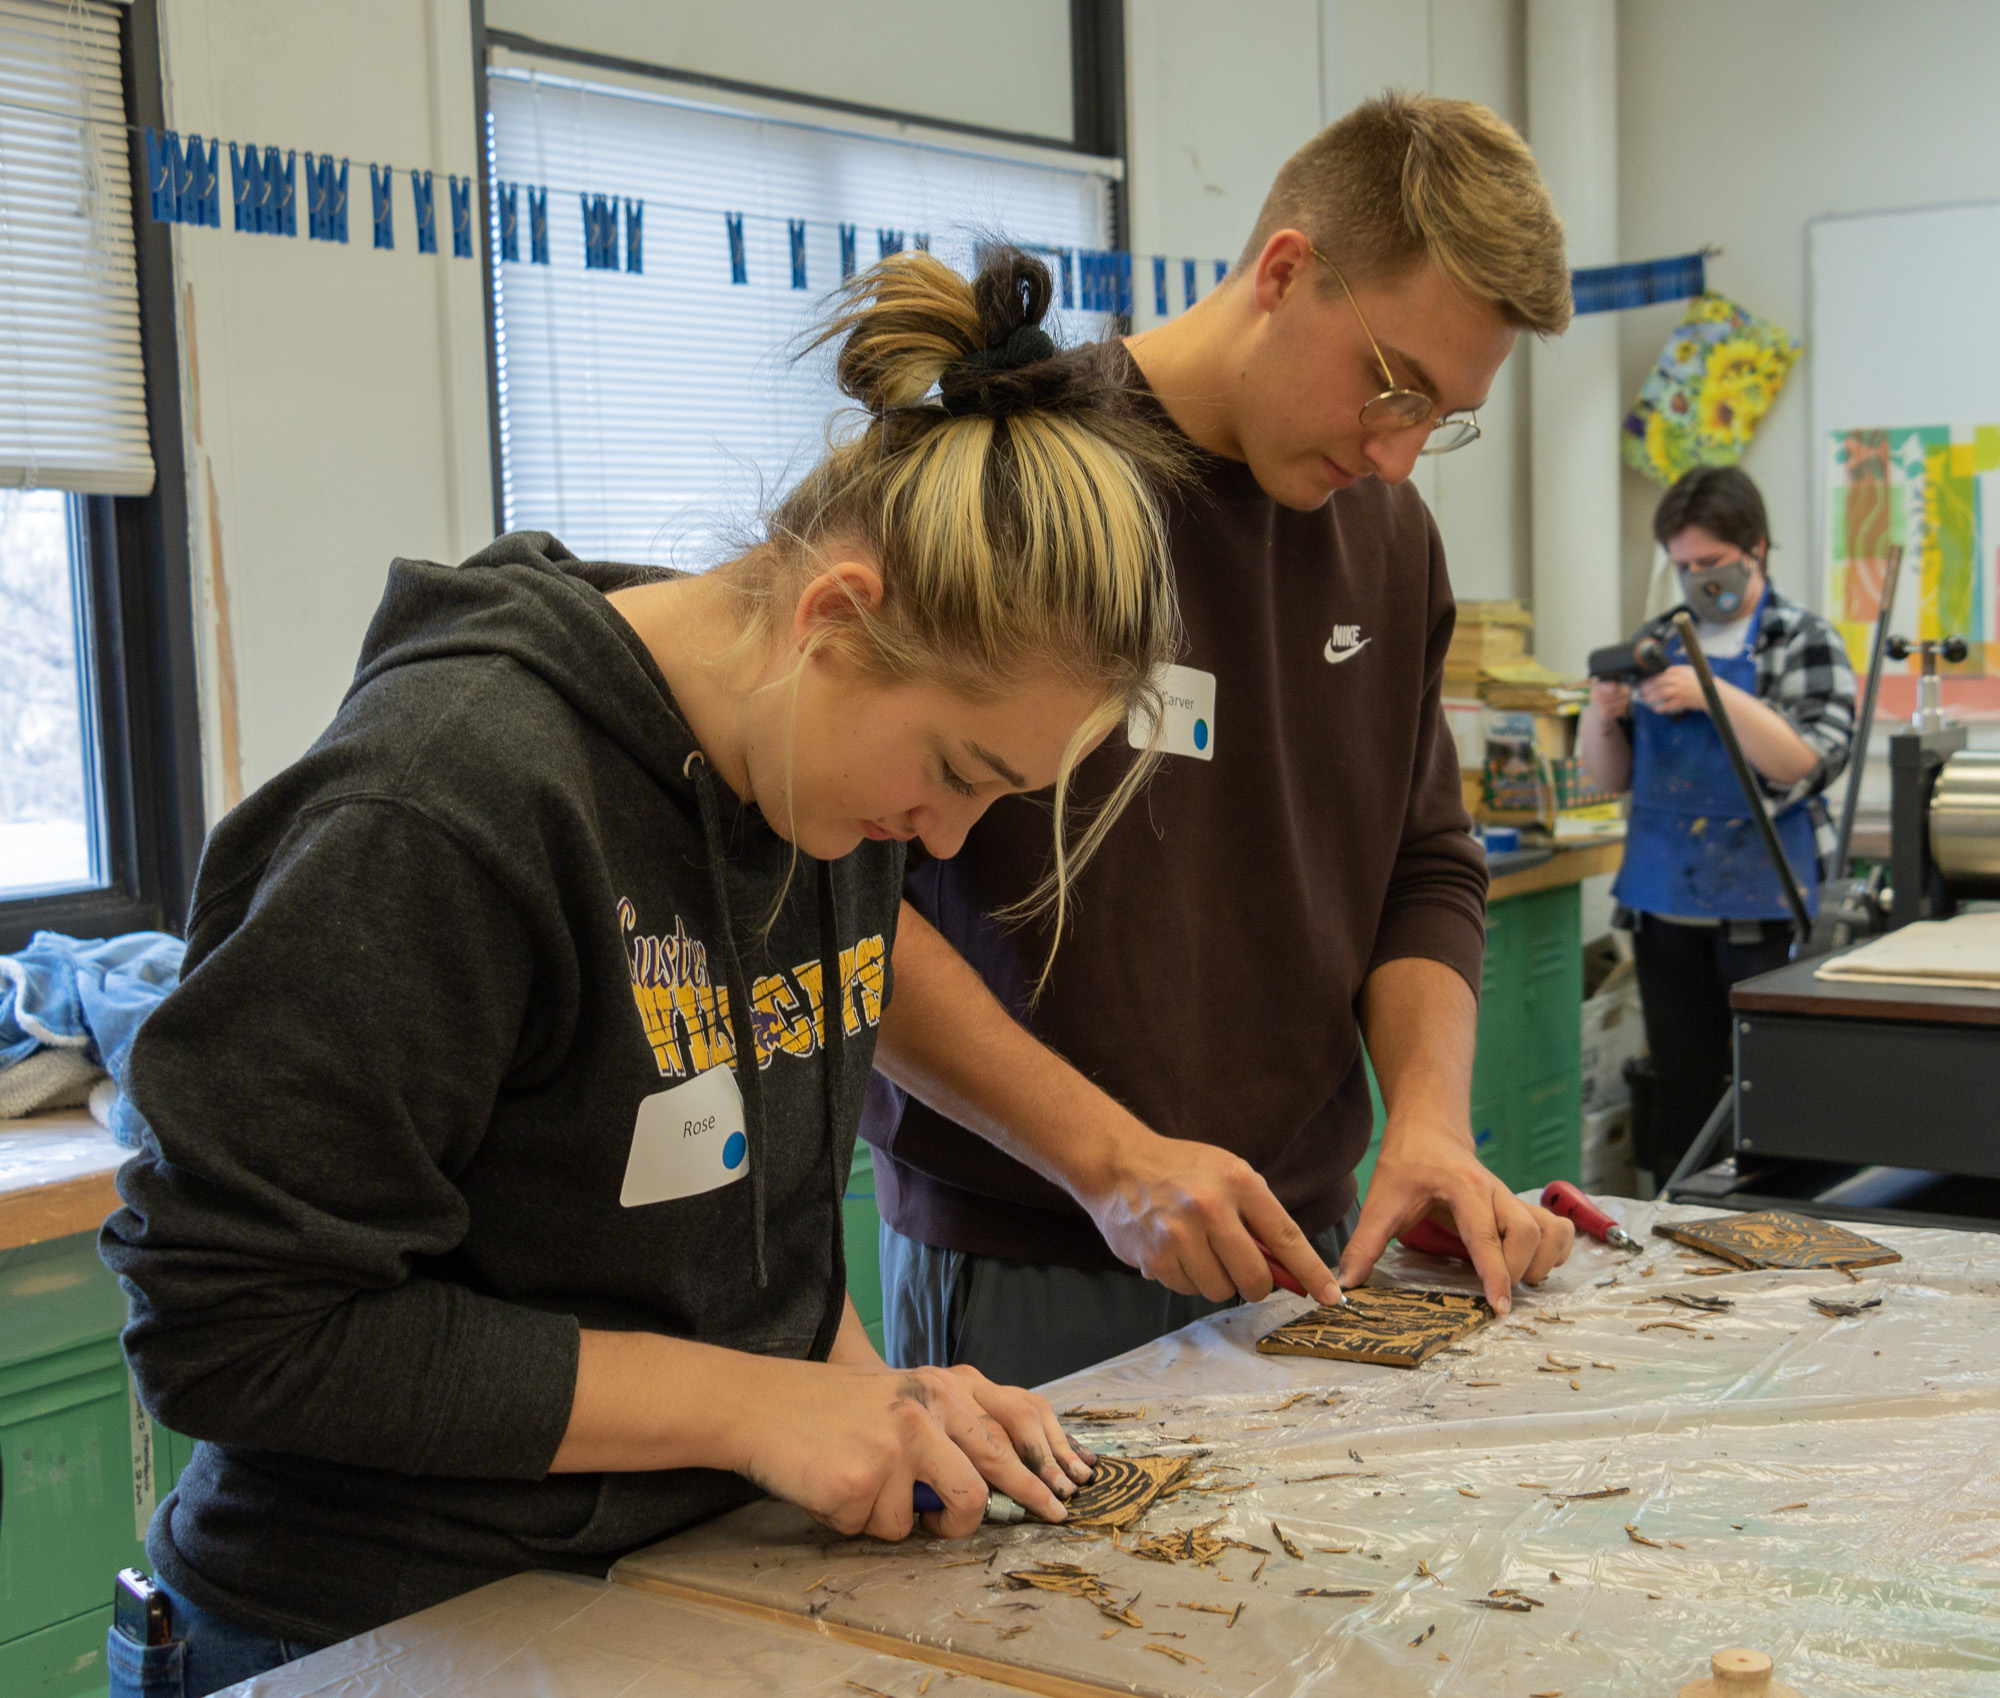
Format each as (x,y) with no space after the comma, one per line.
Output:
(1684,977)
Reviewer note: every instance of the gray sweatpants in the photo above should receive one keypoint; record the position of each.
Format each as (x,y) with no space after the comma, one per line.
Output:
(1023,1323)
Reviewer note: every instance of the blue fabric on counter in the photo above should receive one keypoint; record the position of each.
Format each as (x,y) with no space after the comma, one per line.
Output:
(87,993)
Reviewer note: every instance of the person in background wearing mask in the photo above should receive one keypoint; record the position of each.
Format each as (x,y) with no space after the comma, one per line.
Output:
(1706,906)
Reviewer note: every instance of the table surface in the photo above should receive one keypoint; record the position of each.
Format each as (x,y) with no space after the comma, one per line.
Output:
(1792,989)
(1819,1486)
(1571,863)
(55,1176)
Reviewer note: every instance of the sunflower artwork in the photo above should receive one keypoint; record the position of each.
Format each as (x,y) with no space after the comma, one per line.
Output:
(1718,375)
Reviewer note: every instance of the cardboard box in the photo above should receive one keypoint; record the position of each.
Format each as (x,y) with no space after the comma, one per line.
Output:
(1608,1169)
(1614,1031)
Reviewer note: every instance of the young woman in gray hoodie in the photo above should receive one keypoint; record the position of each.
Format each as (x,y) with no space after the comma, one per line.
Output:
(490,1215)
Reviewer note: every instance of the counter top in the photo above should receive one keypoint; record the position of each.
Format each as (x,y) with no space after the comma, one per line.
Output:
(1571,863)
(55,1176)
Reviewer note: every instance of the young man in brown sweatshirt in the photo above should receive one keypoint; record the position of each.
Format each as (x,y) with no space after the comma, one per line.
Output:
(1300,873)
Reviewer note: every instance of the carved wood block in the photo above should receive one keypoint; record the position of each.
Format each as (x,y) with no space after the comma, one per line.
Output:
(1381,1324)
(1776,1239)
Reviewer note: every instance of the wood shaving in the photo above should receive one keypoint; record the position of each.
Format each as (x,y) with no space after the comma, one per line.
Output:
(1210,1609)
(1110,1633)
(1331,1397)
(1639,1538)
(1467,1492)
(1648,1326)
(1613,1366)
(1834,1307)
(1560,1365)
(1296,1397)
(1553,1692)
(824,1578)
(1443,1658)
(872,1691)
(1259,1569)
(1344,1474)
(933,1676)
(1780,1510)
(1482,1382)
(1421,1637)
(1291,1550)
(1334,1550)
(1011,1632)
(1080,1413)
(1163,1633)
(1589,1497)
(1533,1485)
(1529,1599)
(1067,1577)
(1174,1651)
(1424,1570)
(1555,1579)
(1334,1592)
(1516,1605)
(1575,1385)
(1233,1614)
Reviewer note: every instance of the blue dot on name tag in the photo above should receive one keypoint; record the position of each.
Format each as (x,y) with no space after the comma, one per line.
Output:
(733,1151)
(1201,733)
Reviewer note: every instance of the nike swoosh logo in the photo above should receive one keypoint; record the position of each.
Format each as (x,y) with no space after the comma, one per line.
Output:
(1335,656)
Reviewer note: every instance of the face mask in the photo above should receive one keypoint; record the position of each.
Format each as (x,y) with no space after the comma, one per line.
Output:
(1716,592)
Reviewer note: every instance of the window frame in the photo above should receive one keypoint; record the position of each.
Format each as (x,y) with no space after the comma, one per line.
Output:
(1097,98)
(137,567)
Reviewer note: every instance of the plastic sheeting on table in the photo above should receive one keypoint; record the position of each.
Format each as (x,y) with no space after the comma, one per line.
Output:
(1826,1489)
(564,1636)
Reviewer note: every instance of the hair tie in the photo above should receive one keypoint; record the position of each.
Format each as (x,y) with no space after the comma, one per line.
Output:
(963,387)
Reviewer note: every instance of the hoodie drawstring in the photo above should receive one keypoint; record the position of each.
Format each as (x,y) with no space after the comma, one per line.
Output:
(833,1024)
(743,1017)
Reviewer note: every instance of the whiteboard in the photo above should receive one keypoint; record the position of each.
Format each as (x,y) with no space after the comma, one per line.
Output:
(1903,316)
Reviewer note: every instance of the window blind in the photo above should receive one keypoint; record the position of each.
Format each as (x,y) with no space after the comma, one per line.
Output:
(72,388)
(649,416)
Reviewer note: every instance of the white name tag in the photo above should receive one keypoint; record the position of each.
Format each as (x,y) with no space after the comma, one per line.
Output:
(687,1141)
(1187,715)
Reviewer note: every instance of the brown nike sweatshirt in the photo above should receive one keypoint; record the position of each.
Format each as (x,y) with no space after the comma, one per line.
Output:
(1211,974)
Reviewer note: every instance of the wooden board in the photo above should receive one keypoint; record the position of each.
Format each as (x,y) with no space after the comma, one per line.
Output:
(1778,1239)
(1569,865)
(56,1174)
(1381,1324)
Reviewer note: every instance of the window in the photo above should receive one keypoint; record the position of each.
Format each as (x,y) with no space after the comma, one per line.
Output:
(100,816)
(646,414)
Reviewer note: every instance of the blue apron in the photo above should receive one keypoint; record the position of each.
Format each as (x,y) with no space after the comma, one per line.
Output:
(1689,847)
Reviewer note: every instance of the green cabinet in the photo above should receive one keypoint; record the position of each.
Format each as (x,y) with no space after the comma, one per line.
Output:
(860,1221)
(1527,1072)
(81,1466)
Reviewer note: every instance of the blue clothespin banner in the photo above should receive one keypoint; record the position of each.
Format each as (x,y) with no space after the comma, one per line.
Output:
(600,233)
(336,200)
(888,242)
(187,167)
(315,201)
(796,229)
(1613,288)
(507,201)
(461,218)
(1160,285)
(635,230)
(1187,281)
(538,226)
(281,194)
(1068,279)
(246,187)
(382,203)
(160,176)
(205,183)
(922,239)
(1093,281)
(739,271)
(424,193)
(847,266)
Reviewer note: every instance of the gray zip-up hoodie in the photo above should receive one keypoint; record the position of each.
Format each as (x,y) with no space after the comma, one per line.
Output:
(436,971)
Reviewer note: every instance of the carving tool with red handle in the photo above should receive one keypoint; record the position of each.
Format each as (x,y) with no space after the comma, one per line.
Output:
(1563,1198)
(1283,1277)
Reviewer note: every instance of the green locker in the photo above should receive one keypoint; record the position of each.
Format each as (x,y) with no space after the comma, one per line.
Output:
(859,1221)
(81,1466)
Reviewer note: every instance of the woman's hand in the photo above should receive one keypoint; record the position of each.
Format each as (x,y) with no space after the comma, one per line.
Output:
(848,1445)
(1609,700)
(1676,690)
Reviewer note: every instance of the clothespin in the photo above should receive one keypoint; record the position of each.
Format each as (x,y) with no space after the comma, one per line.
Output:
(509,197)
(205,182)
(1160,285)
(1068,280)
(1187,281)
(847,266)
(538,226)
(160,175)
(315,201)
(187,207)
(336,201)
(591,250)
(424,194)
(281,191)
(922,239)
(888,242)
(245,188)
(796,229)
(382,204)
(739,271)
(635,219)
(461,218)
(1221,269)
(1122,270)
(604,215)
(263,207)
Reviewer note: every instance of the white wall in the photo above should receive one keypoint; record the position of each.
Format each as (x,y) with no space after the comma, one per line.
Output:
(334,398)
(1739,123)
(1004,67)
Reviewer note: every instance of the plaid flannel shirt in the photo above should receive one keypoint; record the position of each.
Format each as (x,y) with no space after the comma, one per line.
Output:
(1802,672)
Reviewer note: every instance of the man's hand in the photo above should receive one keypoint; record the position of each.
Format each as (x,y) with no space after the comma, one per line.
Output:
(1428,1170)
(1610,699)
(1676,690)
(1191,1216)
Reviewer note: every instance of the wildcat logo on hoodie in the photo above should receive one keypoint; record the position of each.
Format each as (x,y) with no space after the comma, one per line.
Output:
(686,1013)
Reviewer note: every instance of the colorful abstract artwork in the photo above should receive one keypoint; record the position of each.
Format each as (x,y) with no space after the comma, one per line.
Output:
(1935,489)
(1718,375)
